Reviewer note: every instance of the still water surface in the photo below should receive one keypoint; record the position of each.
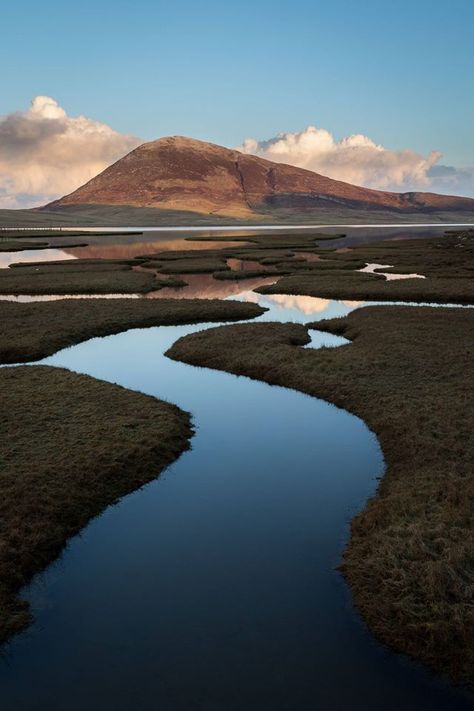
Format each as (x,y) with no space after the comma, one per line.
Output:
(34,255)
(214,587)
(150,240)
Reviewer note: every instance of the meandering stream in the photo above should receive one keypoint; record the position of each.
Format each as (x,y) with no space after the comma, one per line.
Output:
(214,587)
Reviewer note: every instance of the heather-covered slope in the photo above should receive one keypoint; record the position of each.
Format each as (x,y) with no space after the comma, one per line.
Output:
(177,173)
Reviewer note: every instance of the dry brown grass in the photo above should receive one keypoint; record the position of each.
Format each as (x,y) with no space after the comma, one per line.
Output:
(76,278)
(451,255)
(70,446)
(447,262)
(347,284)
(187,265)
(10,245)
(235,275)
(35,330)
(409,373)
(75,265)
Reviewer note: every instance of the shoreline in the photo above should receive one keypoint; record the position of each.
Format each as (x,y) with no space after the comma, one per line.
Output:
(399,583)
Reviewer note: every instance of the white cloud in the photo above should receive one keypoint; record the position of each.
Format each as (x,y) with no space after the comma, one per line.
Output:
(453,181)
(357,159)
(44,153)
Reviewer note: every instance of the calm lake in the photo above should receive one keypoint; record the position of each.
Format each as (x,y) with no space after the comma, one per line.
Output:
(216,587)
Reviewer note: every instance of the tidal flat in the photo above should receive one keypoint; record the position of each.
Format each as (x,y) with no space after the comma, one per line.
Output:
(407,373)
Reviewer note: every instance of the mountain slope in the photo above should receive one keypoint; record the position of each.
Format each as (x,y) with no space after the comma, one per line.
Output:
(177,173)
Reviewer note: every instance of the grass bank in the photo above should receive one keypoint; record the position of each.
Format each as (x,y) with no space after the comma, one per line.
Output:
(447,262)
(243,274)
(347,284)
(36,330)
(186,265)
(451,255)
(70,446)
(16,245)
(409,373)
(76,277)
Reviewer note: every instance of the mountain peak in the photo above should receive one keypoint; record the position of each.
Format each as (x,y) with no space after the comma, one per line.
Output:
(181,173)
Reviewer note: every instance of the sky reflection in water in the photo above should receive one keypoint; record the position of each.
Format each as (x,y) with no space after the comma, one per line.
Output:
(214,587)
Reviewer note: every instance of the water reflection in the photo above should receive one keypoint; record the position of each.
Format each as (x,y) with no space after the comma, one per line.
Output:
(311,257)
(298,309)
(215,587)
(113,248)
(238,265)
(30,298)
(159,239)
(389,276)
(308,305)
(204,286)
(33,255)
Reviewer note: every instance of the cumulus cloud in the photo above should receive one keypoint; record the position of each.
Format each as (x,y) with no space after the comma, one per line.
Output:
(359,160)
(44,153)
(453,181)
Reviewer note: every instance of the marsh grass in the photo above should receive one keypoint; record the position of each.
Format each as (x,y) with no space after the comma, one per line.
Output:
(10,245)
(346,284)
(235,275)
(266,250)
(76,277)
(79,265)
(409,373)
(187,265)
(36,330)
(70,446)
(451,255)
(447,262)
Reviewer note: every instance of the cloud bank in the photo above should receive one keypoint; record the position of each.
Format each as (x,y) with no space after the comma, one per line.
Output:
(44,153)
(357,159)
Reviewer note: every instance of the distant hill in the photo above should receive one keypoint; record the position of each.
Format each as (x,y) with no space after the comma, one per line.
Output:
(183,175)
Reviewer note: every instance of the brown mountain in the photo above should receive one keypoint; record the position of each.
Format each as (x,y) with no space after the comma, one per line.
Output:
(177,173)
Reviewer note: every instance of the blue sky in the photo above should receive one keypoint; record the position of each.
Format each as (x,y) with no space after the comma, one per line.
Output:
(398,72)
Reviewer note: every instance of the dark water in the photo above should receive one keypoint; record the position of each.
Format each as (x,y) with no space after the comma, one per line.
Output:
(214,587)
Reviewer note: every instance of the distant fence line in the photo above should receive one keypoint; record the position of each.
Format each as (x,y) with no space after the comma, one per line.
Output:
(36,229)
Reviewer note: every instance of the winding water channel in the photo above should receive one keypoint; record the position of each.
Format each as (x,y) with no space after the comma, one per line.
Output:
(214,587)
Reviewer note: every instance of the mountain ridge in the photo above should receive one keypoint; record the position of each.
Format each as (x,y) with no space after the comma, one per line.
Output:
(180,173)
